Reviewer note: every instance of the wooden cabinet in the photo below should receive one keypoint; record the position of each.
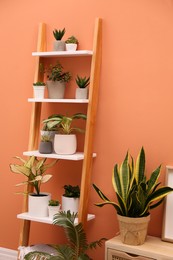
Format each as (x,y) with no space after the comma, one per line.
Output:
(87,155)
(153,248)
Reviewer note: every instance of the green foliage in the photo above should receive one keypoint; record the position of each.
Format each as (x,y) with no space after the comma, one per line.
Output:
(82,82)
(72,39)
(39,83)
(135,194)
(77,244)
(71,191)
(58,34)
(45,138)
(33,169)
(63,124)
(56,73)
(53,203)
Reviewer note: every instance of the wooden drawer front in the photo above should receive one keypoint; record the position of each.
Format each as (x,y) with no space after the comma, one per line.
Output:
(113,254)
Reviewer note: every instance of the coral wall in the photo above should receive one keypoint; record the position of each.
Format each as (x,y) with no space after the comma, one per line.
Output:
(135,99)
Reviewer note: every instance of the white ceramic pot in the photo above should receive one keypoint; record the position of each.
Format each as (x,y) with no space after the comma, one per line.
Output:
(65,144)
(53,210)
(71,46)
(81,93)
(39,92)
(38,205)
(59,46)
(56,89)
(71,204)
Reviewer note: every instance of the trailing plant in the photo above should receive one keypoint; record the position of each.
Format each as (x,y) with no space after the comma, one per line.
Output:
(136,195)
(77,244)
(82,82)
(58,34)
(71,191)
(63,124)
(39,83)
(56,73)
(33,169)
(72,39)
(53,203)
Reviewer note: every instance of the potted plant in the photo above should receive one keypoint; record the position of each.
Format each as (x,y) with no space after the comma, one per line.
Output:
(57,80)
(71,43)
(34,170)
(46,146)
(76,246)
(53,207)
(65,141)
(82,90)
(70,198)
(59,45)
(136,194)
(39,88)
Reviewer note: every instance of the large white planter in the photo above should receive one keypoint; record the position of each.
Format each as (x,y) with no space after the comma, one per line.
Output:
(39,92)
(81,93)
(53,210)
(56,89)
(71,46)
(38,205)
(71,204)
(65,144)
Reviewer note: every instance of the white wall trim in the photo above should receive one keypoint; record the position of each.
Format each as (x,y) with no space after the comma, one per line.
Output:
(7,254)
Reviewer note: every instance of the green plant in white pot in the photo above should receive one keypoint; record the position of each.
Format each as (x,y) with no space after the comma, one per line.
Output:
(70,198)
(82,89)
(71,43)
(59,45)
(57,79)
(65,141)
(136,196)
(34,170)
(53,207)
(39,88)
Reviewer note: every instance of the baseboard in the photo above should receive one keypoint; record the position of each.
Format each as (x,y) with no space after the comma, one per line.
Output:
(7,254)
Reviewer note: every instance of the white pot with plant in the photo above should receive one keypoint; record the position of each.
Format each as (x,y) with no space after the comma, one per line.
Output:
(71,43)
(58,44)
(34,169)
(39,89)
(65,142)
(57,79)
(82,89)
(136,194)
(53,207)
(70,198)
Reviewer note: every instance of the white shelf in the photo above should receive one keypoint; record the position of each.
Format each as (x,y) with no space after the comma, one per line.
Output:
(50,100)
(63,53)
(74,157)
(46,220)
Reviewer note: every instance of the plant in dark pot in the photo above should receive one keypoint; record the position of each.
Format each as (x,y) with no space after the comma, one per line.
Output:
(34,170)
(59,45)
(71,43)
(82,89)
(57,79)
(65,141)
(46,146)
(136,196)
(70,198)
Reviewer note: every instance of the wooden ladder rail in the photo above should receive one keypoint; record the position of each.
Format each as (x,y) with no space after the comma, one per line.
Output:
(34,132)
(91,116)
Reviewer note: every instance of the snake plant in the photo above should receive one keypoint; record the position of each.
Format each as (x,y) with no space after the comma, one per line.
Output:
(136,195)
(77,244)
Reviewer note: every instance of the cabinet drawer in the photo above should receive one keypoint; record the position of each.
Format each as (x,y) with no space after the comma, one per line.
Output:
(113,254)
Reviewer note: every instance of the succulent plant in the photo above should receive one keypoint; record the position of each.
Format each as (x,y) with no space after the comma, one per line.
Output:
(53,202)
(71,191)
(72,39)
(39,83)
(58,34)
(82,82)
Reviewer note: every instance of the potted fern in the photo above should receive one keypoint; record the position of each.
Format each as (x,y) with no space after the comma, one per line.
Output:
(34,169)
(136,195)
(70,198)
(71,43)
(59,45)
(82,89)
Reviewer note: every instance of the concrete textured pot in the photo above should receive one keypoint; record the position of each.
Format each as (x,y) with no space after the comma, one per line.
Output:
(81,93)
(59,46)
(45,147)
(133,231)
(56,89)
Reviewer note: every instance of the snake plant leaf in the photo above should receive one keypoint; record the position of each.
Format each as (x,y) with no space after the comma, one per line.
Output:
(140,166)
(124,174)
(153,179)
(100,193)
(116,180)
(159,194)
